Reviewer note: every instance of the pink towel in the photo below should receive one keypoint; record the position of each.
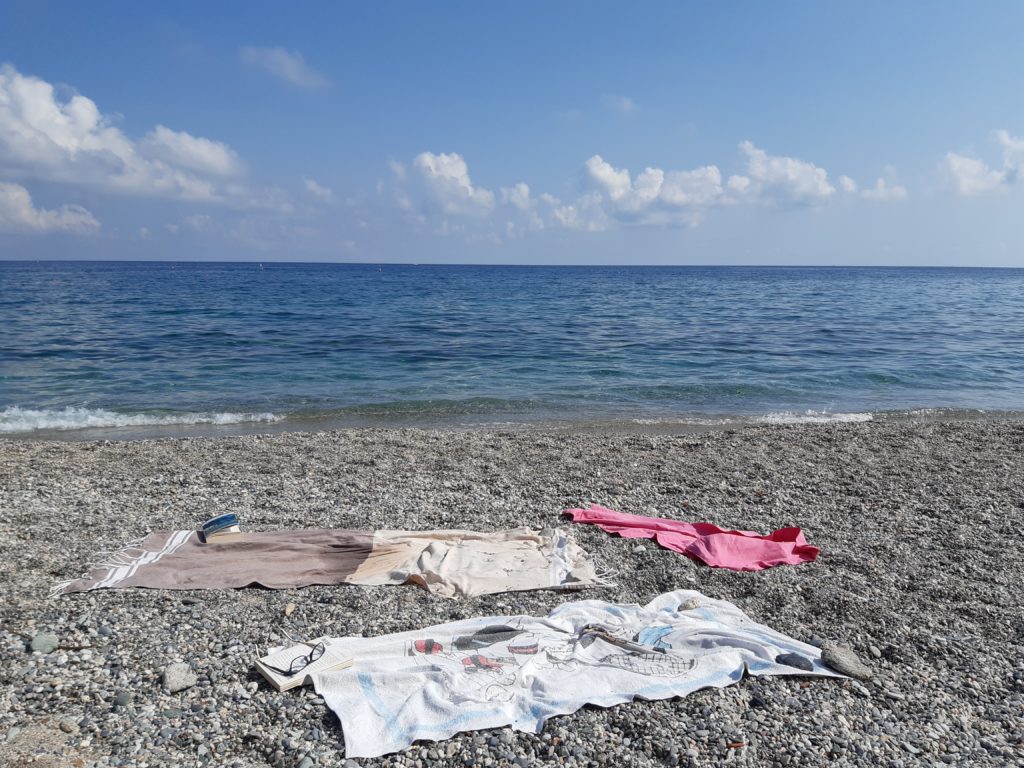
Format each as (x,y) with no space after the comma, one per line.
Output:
(719,548)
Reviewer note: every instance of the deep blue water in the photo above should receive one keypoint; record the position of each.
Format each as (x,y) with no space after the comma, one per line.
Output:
(102,344)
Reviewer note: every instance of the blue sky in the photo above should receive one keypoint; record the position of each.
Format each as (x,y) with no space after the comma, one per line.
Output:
(706,133)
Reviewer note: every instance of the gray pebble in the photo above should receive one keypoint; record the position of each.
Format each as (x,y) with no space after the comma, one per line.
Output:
(178,677)
(795,660)
(860,689)
(45,642)
(844,661)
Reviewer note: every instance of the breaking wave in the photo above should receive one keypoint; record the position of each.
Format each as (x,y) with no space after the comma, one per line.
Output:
(16,420)
(812,417)
(738,420)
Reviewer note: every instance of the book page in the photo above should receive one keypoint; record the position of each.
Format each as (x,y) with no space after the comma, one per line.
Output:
(283,659)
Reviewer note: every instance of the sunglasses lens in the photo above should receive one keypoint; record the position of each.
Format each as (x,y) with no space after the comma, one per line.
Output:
(299,663)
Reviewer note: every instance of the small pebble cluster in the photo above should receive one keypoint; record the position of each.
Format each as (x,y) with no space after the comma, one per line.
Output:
(916,595)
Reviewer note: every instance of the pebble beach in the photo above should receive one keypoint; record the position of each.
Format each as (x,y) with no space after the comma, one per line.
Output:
(920,571)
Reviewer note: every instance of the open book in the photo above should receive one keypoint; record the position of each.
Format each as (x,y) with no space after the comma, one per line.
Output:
(288,668)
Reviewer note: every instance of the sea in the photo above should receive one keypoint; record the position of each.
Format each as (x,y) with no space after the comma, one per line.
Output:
(131,349)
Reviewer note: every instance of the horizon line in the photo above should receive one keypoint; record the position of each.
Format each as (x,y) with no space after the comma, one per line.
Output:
(499,264)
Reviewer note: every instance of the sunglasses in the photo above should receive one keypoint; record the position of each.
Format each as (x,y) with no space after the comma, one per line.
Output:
(299,663)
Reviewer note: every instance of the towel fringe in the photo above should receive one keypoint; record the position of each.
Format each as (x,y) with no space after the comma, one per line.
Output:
(603,577)
(106,560)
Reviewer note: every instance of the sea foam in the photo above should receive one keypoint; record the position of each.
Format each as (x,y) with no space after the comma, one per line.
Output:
(15,419)
(812,417)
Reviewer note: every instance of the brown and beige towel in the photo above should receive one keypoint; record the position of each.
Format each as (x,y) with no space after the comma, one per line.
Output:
(449,563)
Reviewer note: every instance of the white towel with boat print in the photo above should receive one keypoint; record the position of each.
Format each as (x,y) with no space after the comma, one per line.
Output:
(488,672)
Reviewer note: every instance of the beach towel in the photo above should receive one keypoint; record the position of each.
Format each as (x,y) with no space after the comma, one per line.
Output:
(488,672)
(445,562)
(718,547)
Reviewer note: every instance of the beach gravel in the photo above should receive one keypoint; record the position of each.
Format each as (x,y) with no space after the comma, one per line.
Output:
(919,577)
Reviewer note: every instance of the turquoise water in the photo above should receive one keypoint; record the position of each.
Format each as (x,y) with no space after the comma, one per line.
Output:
(131,345)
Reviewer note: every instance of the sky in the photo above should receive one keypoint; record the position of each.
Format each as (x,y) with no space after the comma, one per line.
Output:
(841,133)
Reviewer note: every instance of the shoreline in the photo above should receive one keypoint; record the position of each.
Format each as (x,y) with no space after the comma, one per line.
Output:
(670,424)
(918,523)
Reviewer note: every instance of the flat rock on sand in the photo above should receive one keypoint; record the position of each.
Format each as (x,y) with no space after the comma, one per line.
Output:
(178,677)
(844,661)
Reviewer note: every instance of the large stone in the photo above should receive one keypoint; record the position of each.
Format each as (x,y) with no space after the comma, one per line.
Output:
(178,677)
(45,642)
(844,661)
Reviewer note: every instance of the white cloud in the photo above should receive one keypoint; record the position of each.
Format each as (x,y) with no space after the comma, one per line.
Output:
(436,191)
(446,180)
(19,215)
(318,190)
(972,176)
(976,177)
(673,198)
(883,190)
(288,67)
(613,196)
(1013,154)
(682,198)
(615,183)
(72,142)
(182,149)
(522,210)
(397,168)
(518,196)
(738,185)
(622,104)
(587,213)
(785,179)
(702,186)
